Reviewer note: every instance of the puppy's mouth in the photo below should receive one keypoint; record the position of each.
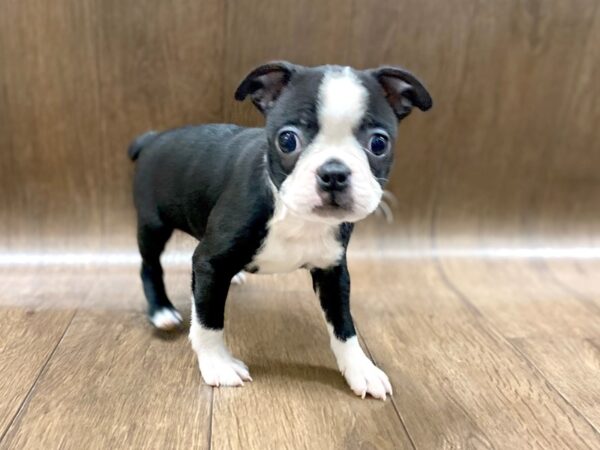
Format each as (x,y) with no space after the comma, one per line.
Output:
(334,204)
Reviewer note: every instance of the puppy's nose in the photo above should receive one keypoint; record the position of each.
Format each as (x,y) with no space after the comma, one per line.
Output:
(333,176)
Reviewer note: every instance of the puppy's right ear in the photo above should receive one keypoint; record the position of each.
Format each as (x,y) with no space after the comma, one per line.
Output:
(265,83)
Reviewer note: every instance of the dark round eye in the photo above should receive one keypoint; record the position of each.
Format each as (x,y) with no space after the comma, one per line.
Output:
(378,144)
(288,141)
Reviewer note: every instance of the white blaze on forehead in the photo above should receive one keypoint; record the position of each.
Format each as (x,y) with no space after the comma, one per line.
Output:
(342,103)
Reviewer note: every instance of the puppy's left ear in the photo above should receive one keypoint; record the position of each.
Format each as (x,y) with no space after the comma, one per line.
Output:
(403,90)
(265,83)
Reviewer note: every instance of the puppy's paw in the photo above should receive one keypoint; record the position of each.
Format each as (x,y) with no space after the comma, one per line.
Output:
(239,278)
(166,319)
(223,370)
(364,378)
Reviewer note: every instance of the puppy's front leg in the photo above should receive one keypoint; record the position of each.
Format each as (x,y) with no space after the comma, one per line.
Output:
(333,288)
(210,285)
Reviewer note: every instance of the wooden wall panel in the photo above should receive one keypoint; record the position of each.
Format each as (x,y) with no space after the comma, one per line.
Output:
(80,79)
(509,153)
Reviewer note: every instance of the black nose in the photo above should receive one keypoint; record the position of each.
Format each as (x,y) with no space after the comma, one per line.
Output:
(332,176)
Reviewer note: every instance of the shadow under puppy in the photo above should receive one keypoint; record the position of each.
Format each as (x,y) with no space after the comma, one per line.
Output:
(273,199)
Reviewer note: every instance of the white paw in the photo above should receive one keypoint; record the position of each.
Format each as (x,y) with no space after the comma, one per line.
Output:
(223,370)
(239,278)
(364,378)
(217,366)
(362,375)
(166,319)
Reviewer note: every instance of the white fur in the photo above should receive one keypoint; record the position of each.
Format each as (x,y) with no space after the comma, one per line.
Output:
(239,278)
(342,105)
(166,319)
(293,242)
(362,375)
(217,366)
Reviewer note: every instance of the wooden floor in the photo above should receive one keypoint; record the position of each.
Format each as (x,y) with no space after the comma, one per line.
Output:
(483,353)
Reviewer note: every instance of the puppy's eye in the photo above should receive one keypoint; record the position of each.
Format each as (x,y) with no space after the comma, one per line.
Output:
(378,144)
(288,141)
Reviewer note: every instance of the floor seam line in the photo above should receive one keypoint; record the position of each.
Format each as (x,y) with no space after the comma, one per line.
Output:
(496,334)
(29,394)
(211,416)
(551,385)
(394,405)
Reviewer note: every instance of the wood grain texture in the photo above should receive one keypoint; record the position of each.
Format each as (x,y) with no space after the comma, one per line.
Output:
(112,383)
(458,383)
(80,81)
(523,290)
(572,365)
(577,277)
(27,339)
(461,377)
(549,311)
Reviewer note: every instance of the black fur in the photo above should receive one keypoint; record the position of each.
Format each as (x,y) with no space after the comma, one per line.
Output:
(209,181)
(332,285)
(140,142)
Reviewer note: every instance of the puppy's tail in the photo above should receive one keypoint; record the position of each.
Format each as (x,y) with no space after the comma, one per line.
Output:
(139,143)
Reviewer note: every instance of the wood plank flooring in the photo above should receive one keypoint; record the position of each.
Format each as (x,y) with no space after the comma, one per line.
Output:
(500,354)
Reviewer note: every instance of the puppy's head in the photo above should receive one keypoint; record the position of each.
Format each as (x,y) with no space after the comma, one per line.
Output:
(331,133)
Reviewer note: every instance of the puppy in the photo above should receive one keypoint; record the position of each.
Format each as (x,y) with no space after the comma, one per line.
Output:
(273,199)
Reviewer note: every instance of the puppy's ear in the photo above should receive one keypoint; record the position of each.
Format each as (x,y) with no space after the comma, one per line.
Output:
(403,90)
(265,83)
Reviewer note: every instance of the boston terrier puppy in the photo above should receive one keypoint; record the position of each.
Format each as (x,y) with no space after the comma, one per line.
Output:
(273,199)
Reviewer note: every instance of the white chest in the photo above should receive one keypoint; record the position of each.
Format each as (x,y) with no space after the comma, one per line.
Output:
(292,243)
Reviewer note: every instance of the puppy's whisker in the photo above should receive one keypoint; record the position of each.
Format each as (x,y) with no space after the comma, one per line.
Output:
(391,198)
(386,211)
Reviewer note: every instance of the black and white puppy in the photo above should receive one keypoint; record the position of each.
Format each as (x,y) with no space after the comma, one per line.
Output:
(273,199)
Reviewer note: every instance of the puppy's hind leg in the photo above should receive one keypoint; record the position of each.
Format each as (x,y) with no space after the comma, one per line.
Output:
(151,241)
